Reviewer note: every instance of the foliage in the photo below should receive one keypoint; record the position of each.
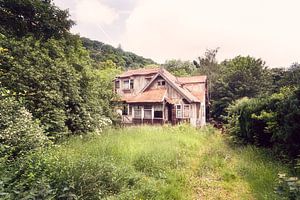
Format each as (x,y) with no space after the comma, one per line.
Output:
(58,83)
(241,77)
(167,162)
(101,52)
(180,68)
(19,133)
(40,18)
(270,121)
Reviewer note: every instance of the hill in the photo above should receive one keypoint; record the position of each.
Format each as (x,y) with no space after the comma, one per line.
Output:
(101,52)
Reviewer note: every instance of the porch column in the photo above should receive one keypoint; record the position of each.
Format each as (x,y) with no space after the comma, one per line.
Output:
(152,114)
(142,114)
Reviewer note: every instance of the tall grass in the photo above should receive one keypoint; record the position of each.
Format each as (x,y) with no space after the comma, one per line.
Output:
(148,162)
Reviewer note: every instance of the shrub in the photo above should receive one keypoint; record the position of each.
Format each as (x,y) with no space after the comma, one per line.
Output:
(271,121)
(19,133)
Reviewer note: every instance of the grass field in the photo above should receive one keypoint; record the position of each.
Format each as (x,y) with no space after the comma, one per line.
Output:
(146,162)
(161,163)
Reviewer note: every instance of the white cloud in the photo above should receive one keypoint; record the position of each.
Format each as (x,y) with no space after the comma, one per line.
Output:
(185,28)
(94,12)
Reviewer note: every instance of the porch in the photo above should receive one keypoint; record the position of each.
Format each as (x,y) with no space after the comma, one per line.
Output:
(155,113)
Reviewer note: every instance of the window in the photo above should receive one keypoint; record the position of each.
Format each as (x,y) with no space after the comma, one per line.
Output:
(186,111)
(130,110)
(131,84)
(161,82)
(125,110)
(158,111)
(117,84)
(148,112)
(183,111)
(126,85)
(137,112)
(178,111)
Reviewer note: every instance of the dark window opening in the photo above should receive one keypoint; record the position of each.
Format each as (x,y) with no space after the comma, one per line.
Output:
(131,84)
(161,83)
(125,110)
(117,84)
(158,114)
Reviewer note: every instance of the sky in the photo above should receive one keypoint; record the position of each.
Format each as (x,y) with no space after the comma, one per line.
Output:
(184,29)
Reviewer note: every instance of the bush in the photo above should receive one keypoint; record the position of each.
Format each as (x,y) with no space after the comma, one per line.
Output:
(271,121)
(19,133)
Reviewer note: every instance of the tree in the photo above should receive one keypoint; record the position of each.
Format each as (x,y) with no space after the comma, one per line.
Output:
(40,18)
(179,68)
(240,77)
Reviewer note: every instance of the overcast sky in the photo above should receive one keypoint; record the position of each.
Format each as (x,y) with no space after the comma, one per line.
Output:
(183,29)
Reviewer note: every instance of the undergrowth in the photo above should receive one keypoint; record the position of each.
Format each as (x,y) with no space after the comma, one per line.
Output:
(145,162)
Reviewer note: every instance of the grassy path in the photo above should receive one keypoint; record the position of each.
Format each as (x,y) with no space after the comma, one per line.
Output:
(223,171)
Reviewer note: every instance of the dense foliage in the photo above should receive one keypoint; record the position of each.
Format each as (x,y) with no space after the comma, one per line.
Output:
(39,18)
(240,77)
(271,121)
(101,52)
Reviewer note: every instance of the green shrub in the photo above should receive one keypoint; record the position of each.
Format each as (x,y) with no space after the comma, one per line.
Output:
(271,121)
(19,133)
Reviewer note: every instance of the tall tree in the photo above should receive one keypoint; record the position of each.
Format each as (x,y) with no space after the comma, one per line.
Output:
(40,18)
(240,77)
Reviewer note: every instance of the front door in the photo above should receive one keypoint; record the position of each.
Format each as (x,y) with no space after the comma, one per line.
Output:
(170,107)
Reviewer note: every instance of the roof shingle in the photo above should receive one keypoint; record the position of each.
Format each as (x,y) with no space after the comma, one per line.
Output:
(136,72)
(151,96)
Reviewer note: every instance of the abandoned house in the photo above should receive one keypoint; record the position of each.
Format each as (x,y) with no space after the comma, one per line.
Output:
(155,96)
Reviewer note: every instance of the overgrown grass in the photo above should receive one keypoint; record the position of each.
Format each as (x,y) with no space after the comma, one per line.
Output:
(146,162)
(226,171)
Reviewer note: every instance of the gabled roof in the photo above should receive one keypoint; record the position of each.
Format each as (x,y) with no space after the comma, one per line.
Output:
(151,96)
(172,80)
(136,72)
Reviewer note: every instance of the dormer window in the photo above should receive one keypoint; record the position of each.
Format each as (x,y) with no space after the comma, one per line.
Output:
(117,84)
(128,84)
(131,84)
(161,82)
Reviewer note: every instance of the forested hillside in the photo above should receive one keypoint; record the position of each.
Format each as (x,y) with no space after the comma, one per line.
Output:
(101,52)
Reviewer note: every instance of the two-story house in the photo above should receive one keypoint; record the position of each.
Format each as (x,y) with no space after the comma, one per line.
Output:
(154,96)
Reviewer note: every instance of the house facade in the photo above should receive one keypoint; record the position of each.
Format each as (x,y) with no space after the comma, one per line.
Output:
(155,96)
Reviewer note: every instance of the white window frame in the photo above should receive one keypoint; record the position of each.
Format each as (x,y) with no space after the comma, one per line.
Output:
(177,110)
(148,109)
(182,111)
(125,86)
(137,108)
(189,108)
